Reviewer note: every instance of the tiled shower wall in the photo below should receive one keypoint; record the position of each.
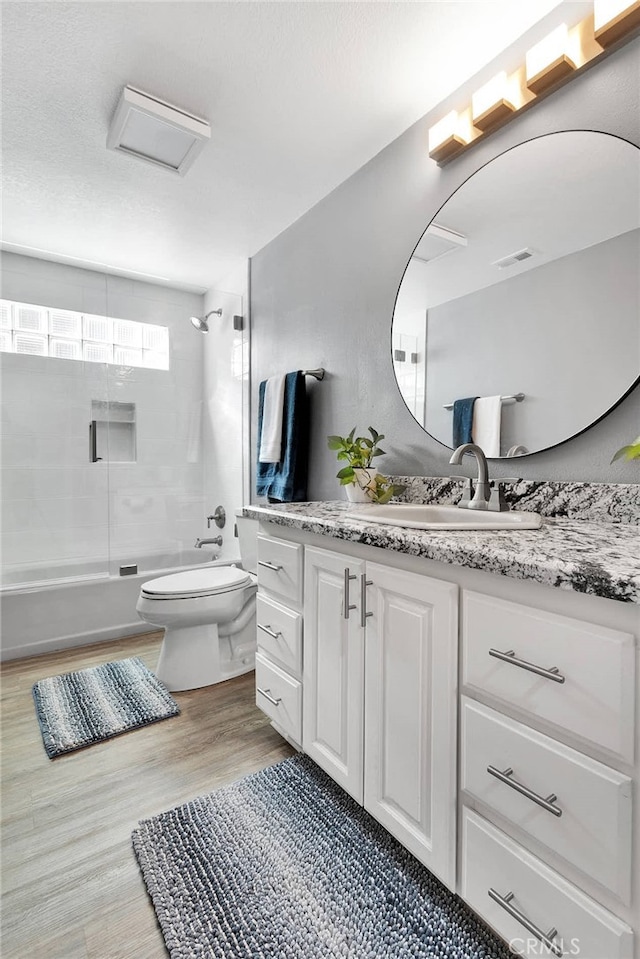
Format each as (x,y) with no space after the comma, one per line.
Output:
(56,505)
(225,407)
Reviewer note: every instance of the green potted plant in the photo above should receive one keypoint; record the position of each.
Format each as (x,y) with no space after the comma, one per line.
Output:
(362,481)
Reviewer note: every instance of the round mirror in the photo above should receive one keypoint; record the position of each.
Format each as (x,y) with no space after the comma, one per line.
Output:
(517,321)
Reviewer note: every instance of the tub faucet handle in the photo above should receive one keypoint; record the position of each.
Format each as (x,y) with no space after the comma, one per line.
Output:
(219,517)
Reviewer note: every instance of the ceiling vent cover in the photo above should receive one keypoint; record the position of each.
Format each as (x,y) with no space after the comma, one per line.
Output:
(155,131)
(437,241)
(514,258)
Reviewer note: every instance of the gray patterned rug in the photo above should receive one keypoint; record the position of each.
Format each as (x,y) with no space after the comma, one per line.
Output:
(284,865)
(86,707)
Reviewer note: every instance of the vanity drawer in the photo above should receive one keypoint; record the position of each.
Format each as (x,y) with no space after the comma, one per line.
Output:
(589,821)
(279,633)
(594,698)
(280,568)
(541,898)
(280,697)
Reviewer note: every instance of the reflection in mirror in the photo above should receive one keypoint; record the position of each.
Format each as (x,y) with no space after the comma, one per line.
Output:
(522,297)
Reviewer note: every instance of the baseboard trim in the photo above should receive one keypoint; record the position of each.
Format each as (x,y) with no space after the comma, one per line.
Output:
(77,639)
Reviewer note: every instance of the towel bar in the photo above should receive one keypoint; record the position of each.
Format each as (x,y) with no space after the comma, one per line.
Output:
(316,374)
(515,398)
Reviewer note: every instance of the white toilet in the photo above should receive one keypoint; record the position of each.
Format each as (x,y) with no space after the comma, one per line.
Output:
(209,618)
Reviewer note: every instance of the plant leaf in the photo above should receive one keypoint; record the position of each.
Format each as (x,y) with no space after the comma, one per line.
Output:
(346,473)
(378,452)
(631,452)
(335,442)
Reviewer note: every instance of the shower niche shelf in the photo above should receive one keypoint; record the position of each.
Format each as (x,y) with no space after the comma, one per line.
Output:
(112,432)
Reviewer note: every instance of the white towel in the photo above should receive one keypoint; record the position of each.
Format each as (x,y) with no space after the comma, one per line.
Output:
(487,415)
(272,410)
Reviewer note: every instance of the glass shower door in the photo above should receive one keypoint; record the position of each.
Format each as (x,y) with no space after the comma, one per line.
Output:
(54,501)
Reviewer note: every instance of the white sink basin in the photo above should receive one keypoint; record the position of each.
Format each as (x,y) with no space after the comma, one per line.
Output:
(416,516)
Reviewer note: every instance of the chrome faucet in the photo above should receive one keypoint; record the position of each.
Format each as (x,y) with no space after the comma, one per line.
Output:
(482,493)
(215,541)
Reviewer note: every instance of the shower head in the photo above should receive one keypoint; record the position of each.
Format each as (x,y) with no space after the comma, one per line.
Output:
(200,322)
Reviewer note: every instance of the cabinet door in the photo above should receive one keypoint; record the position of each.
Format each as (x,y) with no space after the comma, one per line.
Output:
(333,668)
(410,713)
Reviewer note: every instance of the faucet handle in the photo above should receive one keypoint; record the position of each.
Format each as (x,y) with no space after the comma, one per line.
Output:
(497,502)
(467,489)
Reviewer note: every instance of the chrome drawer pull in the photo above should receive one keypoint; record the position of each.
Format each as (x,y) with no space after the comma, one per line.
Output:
(267,695)
(276,569)
(505,777)
(268,631)
(346,606)
(510,657)
(364,615)
(545,938)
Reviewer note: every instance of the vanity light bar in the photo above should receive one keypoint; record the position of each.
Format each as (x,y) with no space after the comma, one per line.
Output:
(491,104)
(445,140)
(549,62)
(558,57)
(613,19)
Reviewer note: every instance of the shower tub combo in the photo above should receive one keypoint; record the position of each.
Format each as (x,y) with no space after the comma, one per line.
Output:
(72,605)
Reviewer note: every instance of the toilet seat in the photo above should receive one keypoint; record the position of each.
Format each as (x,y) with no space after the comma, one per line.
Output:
(196,583)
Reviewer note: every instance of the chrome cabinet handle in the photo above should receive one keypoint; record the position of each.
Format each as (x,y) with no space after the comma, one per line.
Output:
(546,938)
(505,775)
(268,631)
(510,657)
(364,615)
(346,606)
(267,695)
(263,562)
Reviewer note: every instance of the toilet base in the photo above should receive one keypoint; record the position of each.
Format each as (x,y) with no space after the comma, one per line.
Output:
(189,658)
(195,656)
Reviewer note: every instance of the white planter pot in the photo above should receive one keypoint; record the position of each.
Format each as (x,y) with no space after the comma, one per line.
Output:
(363,489)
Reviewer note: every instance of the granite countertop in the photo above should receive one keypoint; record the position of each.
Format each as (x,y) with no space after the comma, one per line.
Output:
(602,559)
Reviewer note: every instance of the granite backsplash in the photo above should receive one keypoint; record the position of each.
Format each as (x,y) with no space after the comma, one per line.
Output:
(592,502)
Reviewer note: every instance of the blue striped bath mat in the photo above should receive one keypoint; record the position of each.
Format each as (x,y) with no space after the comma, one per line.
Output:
(285,865)
(82,708)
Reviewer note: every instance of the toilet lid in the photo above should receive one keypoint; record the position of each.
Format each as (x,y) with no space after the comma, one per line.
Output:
(197,582)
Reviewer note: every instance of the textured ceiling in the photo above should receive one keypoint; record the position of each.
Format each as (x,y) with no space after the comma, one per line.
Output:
(299,96)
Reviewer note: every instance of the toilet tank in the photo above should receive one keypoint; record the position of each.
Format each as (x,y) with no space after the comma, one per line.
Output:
(248,541)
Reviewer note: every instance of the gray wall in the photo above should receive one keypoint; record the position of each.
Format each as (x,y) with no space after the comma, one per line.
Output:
(323,292)
(566,334)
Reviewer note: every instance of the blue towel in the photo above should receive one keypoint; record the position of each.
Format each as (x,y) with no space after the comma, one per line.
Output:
(286,481)
(463,420)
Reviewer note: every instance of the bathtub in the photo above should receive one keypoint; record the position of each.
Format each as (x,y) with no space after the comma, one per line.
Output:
(44,608)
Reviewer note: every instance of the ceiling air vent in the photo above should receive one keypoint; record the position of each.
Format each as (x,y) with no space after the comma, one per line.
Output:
(514,258)
(155,131)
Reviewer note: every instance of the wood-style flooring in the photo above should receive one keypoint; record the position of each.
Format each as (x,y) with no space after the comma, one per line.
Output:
(71,886)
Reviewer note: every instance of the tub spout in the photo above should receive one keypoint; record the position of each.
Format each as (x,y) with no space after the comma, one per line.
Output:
(215,541)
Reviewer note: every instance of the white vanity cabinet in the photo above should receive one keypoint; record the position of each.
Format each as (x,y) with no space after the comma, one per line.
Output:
(279,635)
(528,807)
(547,744)
(333,674)
(380,680)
